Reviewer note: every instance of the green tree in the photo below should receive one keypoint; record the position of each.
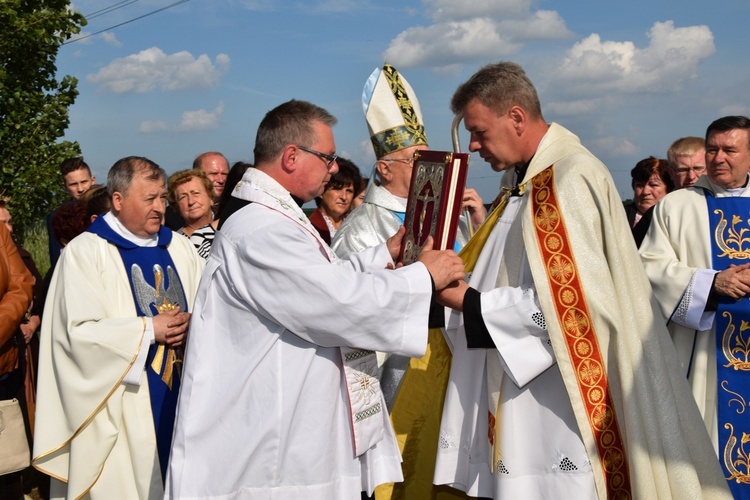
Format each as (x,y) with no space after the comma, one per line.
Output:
(34,105)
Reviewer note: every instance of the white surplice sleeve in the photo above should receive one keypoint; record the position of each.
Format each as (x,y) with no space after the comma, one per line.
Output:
(691,310)
(517,327)
(286,277)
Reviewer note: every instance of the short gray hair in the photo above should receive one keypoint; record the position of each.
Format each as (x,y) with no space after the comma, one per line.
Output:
(499,87)
(121,174)
(288,123)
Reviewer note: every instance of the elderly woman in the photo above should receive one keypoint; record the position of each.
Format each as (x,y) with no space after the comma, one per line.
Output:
(334,203)
(651,182)
(190,195)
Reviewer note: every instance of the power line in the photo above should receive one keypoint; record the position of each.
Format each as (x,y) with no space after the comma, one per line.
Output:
(111,8)
(126,22)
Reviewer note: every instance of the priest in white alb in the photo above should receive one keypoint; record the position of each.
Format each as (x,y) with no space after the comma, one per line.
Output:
(280,395)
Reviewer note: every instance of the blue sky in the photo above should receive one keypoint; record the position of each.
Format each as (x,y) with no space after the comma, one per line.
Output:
(627,77)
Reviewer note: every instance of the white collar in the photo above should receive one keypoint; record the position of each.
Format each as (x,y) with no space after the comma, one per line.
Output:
(141,241)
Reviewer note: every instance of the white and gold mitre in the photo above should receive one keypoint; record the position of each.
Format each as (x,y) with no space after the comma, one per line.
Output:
(392,112)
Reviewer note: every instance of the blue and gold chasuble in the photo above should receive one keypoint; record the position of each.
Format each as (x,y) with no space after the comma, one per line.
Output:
(729,220)
(156,288)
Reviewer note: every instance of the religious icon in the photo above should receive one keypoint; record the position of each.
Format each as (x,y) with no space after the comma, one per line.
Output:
(435,199)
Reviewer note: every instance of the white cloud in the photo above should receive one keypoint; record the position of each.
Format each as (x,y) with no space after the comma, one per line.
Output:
(110,39)
(670,59)
(445,10)
(441,44)
(735,109)
(191,121)
(152,68)
(466,30)
(82,37)
(201,119)
(578,107)
(615,147)
(151,127)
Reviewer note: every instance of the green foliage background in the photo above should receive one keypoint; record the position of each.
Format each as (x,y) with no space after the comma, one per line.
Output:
(34,106)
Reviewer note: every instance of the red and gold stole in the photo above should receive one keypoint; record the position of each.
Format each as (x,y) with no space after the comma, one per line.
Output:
(579,334)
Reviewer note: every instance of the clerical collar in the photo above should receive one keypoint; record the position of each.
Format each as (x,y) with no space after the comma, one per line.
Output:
(142,241)
(735,192)
(520,173)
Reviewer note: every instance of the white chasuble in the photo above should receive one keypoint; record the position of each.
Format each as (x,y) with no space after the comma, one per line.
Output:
(95,431)
(612,368)
(676,254)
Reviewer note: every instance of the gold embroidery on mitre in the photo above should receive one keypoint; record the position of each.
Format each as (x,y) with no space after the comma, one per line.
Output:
(397,137)
(736,345)
(736,244)
(742,460)
(411,133)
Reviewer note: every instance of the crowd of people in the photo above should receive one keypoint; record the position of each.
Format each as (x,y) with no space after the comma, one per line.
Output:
(200,335)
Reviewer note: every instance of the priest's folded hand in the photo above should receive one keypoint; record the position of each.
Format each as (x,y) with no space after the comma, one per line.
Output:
(734,281)
(445,266)
(171,327)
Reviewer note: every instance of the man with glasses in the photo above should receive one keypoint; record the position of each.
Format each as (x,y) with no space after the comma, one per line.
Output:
(687,162)
(280,397)
(695,255)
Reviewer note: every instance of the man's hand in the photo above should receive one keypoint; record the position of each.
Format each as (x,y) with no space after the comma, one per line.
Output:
(733,282)
(453,296)
(394,243)
(171,327)
(473,203)
(445,266)
(30,327)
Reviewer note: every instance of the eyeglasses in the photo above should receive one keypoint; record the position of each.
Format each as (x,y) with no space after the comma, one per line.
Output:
(684,170)
(408,161)
(329,159)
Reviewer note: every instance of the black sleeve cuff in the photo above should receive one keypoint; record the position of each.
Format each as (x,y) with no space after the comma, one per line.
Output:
(712,304)
(436,318)
(477,335)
